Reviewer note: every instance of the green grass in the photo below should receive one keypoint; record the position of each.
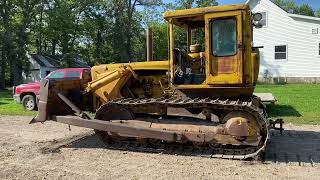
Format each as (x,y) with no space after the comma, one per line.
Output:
(9,107)
(297,103)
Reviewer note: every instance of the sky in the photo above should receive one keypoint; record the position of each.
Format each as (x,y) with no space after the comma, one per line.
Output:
(315,4)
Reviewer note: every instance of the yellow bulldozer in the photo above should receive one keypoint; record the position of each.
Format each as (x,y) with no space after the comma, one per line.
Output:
(201,97)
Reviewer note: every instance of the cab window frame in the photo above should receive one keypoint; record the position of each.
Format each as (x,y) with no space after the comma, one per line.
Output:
(211,35)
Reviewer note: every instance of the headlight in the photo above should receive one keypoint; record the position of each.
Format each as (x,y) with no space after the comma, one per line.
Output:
(257,17)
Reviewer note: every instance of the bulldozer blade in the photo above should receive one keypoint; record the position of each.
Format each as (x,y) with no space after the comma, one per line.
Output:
(42,106)
(33,120)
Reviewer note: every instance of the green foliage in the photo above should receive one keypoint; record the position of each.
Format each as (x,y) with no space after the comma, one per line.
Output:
(291,7)
(98,31)
(9,107)
(180,34)
(307,10)
(288,5)
(187,4)
(294,105)
(160,38)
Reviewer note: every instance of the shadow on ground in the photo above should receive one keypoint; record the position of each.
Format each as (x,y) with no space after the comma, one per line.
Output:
(302,147)
(282,110)
(2,103)
(298,147)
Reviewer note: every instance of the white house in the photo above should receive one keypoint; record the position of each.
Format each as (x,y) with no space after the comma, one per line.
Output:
(291,44)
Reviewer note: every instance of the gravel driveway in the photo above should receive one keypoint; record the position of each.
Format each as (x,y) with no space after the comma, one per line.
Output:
(51,151)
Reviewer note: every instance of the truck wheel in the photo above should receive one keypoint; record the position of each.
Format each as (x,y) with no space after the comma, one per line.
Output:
(29,102)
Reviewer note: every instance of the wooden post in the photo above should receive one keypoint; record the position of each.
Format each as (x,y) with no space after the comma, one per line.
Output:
(189,37)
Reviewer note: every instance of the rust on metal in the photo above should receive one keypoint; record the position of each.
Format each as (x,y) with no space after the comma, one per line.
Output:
(42,106)
(227,64)
(119,128)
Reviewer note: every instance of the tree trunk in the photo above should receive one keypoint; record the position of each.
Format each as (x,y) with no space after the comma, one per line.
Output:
(130,10)
(98,45)
(129,34)
(17,74)
(2,70)
(53,47)
(40,29)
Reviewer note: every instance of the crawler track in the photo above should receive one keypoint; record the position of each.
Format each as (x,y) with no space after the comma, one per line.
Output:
(223,151)
(186,150)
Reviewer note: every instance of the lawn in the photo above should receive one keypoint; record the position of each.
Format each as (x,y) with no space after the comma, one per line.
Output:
(297,103)
(9,107)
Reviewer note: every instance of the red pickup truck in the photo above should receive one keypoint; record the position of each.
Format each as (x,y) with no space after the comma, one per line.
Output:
(28,94)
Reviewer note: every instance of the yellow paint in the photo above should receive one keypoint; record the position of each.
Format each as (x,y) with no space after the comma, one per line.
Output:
(108,79)
(226,78)
(201,11)
(171,47)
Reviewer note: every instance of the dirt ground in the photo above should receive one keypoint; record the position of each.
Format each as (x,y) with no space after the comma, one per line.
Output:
(25,153)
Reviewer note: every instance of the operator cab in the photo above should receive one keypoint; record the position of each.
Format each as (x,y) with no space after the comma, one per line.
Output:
(215,49)
(189,65)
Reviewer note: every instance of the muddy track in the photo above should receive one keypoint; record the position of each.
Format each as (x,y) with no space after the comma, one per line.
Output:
(226,105)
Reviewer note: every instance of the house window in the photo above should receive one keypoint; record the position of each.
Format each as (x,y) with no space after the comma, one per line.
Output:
(315,31)
(280,52)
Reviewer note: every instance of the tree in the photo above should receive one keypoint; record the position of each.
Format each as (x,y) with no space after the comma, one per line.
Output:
(7,10)
(160,39)
(291,7)
(318,13)
(16,18)
(187,4)
(306,10)
(98,31)
(2,54)
(25,10)
(206,3)
(124,14)
(198,34)
(288,5)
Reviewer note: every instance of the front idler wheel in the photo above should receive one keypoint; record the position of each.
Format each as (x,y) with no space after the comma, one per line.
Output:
(109,114)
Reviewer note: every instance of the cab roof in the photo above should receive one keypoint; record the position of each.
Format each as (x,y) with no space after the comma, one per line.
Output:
(182,17)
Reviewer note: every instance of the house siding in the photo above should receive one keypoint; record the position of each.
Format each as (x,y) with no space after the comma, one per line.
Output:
(302,46)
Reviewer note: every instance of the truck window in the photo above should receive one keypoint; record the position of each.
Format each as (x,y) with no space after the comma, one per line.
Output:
(73,74)
(224,37)
(56,75)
